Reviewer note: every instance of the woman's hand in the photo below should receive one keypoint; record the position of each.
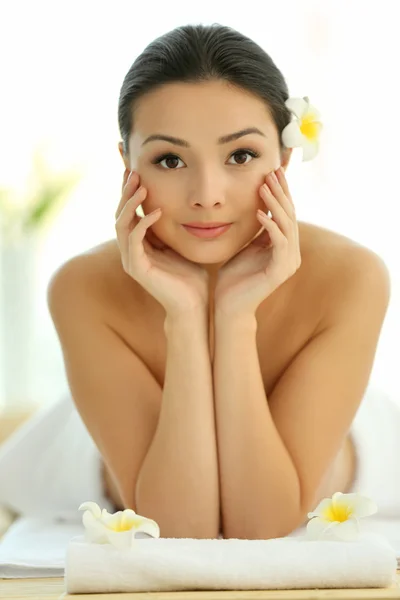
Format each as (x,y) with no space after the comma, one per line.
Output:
(267,262)
(178,284)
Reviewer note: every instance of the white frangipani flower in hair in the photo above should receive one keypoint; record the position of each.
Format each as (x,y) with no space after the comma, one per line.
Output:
(304,131)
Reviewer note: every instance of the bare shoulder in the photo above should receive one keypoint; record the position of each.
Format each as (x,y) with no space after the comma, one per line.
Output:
(97,276)
(330,248)
(342,267)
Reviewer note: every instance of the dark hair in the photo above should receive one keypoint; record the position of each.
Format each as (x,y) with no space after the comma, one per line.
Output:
(196,53)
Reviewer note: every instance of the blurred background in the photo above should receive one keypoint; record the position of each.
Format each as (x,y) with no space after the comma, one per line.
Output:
(62,66)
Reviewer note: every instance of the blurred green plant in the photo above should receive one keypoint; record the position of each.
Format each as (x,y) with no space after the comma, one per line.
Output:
(49,192)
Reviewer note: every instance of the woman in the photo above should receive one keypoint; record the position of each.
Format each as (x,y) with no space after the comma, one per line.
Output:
(218,376)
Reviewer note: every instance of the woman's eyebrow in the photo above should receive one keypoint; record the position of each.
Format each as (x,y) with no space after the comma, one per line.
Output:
(222,140)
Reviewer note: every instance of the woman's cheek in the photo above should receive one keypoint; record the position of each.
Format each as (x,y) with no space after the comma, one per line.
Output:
(153,199)
(146,204)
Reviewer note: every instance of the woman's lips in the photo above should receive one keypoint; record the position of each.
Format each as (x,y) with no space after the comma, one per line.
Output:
(211,232)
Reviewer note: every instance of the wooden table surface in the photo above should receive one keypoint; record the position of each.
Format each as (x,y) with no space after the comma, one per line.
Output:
(53,589)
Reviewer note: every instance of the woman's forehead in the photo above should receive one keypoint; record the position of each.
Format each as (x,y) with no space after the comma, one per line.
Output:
(213,108)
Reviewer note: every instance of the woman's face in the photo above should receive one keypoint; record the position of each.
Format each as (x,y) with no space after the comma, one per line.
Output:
(203,178)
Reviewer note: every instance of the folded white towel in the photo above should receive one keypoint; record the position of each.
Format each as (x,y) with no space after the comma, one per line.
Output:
(36,547)
(169,564)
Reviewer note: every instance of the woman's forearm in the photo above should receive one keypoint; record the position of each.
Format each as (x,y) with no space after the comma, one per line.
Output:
(260,494)
(178,485)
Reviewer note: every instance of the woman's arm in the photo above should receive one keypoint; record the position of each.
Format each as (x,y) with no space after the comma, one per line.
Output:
(178,485)
(274,453)
(252,456)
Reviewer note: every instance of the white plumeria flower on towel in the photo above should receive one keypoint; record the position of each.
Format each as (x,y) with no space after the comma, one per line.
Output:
(337,518)
(117,529)
(304,130)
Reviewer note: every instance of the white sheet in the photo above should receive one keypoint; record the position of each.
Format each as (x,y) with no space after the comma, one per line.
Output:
(50,465)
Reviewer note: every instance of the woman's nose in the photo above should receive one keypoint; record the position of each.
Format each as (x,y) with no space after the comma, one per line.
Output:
(208,191)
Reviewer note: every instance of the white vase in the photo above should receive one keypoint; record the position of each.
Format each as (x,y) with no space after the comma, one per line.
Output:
(18,260)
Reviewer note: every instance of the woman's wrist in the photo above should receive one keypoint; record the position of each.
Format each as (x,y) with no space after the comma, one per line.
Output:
(187,319)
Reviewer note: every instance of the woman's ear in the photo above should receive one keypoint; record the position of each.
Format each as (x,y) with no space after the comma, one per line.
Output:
(286,155)
(124,157)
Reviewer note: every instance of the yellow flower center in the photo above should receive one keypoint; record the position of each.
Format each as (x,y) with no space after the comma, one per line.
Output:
(337,513)
(125,525)
(309,127)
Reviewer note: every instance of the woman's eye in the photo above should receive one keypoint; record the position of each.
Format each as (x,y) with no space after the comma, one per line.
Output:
(243,153)
(171,159)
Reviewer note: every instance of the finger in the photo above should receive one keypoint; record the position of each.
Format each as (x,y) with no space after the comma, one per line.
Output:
(128,174)
(136,237)
(272,202)
(125,178)
(281,215)
(128,189)
(128,212)
(130,184)
(127,217)
(283,183)
(277,191)
(276,235)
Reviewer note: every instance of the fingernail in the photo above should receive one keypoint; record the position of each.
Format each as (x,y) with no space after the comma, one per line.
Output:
(130,175)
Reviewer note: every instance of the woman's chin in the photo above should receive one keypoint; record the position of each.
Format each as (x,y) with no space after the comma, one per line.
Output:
(212,261)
